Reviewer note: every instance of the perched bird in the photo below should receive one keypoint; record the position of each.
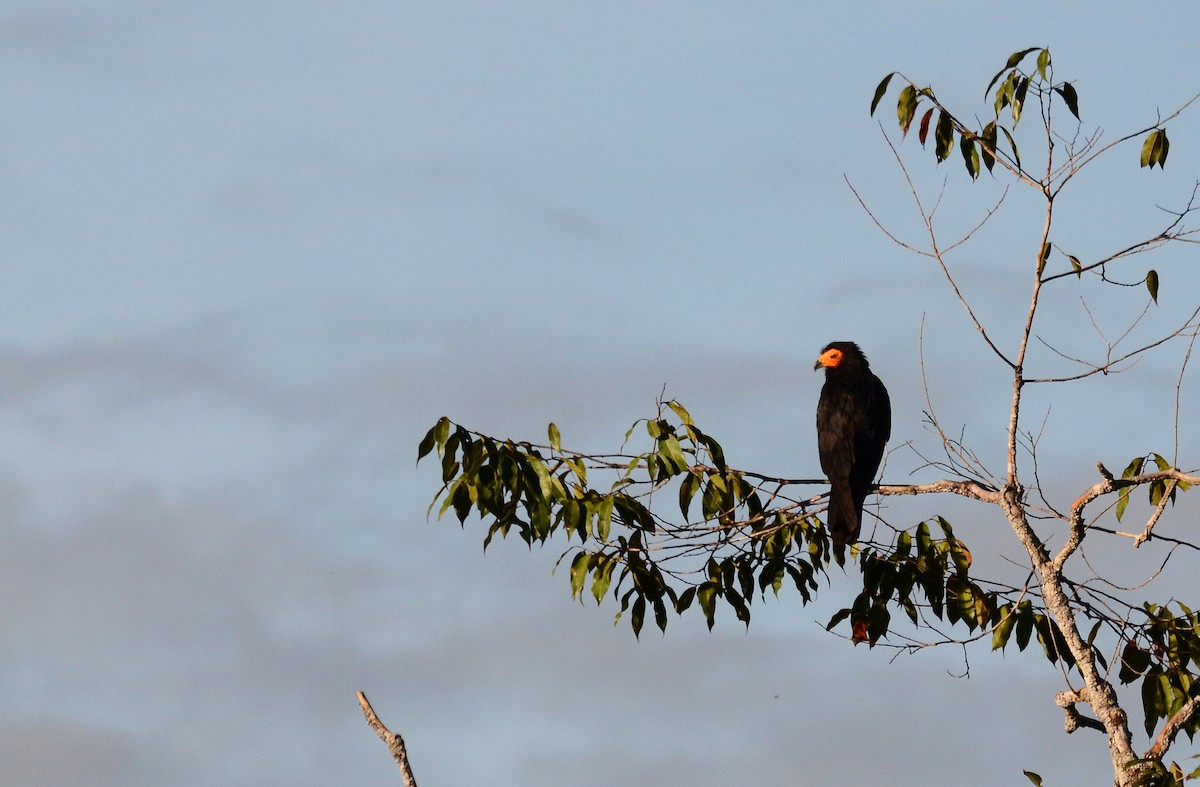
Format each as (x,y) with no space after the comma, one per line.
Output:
(854,422)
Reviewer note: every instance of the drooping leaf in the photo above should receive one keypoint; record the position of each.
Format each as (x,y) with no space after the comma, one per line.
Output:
(989,145)
(555,437)
(1012,143)
(923,128)
(638,616)
(880,90)
(706,595)
(1067,91)
(1033,777)
(1004,92)
(1043,255)
(970,153)
(1004,628)
(1122,502)
(1076,265)
(1134,662)
(579,568)
(1148,149)
(1017,57)
(1043,61)
(684,416)
(1018,99)
(906,107)
(943,136)
(1152,284)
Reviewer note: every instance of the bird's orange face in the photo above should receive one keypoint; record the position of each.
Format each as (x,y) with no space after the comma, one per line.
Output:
(829,359)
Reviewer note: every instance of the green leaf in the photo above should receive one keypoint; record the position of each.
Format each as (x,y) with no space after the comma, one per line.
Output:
(1148,149)
(837,618)
(660,614)
(1018,99)
(706,596)
(670,449)
(943,136)
(684,416)
(604,518)
(579,568)
(1004,628)
(1043,61)
(687,490)
(906,107)
(1122,502)
(430,439)
(1017,57)
(1033,777)
(1076,265)
(1004,93)
(1155,148)
(1012,143)
(970,155)
(1042,257)
(989,145)
(1067,91)
(685,600)
(1152,284)
(638,616)
(880,90)
(555,437)
(602,576)
(1024,624)
(1134,662)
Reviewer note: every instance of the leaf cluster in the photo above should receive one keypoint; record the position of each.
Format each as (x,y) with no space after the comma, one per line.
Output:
(750,537)
(1157,489)
(1009,93)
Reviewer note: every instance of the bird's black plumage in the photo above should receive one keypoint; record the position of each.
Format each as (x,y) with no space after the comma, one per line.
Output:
(854,422)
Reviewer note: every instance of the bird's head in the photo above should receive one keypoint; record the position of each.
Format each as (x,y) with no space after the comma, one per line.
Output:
(840,355)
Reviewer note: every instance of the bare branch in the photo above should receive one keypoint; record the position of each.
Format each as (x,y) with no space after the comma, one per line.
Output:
(393,740)
(1067,700)
(1166,736)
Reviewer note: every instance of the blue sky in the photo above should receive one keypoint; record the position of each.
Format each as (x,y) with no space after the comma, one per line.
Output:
(251,252)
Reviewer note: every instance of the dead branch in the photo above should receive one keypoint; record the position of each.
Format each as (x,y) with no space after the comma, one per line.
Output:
(393,740)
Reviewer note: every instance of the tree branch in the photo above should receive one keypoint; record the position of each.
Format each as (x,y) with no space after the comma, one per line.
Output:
(1166,736)
(1066,700)
(393,740)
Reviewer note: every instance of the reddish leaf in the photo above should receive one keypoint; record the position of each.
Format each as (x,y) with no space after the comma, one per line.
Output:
(923,132)
(860,632)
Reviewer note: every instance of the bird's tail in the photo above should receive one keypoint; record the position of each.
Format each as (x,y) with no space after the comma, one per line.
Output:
(844,519)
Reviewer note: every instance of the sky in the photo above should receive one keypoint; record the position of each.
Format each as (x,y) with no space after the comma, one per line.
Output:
(252,252)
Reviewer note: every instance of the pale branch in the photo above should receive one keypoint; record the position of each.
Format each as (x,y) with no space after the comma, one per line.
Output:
(883,229)
(936,253)
(1166,736)
(1067,701)
(1171,232)
(1162,505)
(1134,135)
(393,740)
(1179,390)
(972,489)
(1108,365)
(1106,486)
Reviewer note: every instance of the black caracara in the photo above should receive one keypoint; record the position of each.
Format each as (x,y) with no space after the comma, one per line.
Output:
(854,422)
